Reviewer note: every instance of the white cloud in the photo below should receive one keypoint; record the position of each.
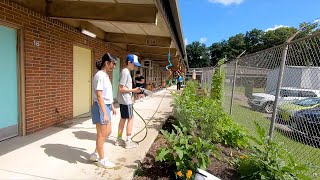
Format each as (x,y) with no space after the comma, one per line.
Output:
(316,21)
(275,27)
(186,41)
(226,2)
(203,40)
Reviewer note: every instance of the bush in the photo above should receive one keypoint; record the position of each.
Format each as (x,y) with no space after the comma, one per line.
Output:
(205,117)
(269,161)
(186,106)
(218,83)
(187,153)
(232,134)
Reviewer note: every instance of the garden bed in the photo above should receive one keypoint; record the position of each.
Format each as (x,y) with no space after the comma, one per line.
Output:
(204,136)
(150,169)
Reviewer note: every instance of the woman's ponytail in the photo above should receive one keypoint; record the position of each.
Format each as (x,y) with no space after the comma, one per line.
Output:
(99,64)
(105,58)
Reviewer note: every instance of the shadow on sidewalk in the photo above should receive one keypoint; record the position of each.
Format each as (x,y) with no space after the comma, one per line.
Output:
(18,142)
(84,135)
(67,153)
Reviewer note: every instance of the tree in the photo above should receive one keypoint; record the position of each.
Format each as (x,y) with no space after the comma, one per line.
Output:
(277,36)
(254,40)
(198,55)
(305,53)
(216,52)
(308,29)
(236,45)
(227,49)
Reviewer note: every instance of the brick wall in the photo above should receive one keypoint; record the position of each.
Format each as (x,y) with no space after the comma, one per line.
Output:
(48,68)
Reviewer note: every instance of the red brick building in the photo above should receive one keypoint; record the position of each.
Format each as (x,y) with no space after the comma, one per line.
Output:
(47,63)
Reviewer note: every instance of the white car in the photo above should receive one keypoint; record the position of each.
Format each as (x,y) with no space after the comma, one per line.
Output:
(264,101)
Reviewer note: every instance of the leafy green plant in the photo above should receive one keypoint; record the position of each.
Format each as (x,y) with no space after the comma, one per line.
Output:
(205,117)
(138,171)
(218,83)
(222,129)
(186,106)
(269,161)
(232,134)
(185,152)
(222,61)
(210,122)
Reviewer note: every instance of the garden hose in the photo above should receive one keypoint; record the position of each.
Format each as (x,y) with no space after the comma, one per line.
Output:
(145,121)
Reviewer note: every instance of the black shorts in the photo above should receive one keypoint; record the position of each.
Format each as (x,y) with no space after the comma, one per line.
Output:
(126,111)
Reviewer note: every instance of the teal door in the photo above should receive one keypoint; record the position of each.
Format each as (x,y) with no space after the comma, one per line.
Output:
(8,83)
(115,79)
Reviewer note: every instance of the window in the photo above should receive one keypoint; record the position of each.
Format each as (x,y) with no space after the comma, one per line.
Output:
(289,93)
(307,94)
(274,92)
(308,102)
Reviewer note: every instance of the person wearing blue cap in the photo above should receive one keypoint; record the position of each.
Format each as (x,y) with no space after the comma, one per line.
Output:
(125,99)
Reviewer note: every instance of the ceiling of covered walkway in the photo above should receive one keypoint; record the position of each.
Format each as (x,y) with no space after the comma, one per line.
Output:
(149,28)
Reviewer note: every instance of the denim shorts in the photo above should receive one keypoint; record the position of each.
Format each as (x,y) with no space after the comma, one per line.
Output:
(97,114)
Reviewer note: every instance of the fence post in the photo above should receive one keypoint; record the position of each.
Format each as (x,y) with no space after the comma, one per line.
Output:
(233,85)
(210,76)
(277,96)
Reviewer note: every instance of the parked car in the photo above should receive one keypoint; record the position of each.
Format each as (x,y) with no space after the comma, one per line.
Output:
(307,123)
(265,101)
(286,111)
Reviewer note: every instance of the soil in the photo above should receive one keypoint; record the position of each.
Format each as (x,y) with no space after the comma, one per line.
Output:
(221,167)
(149,169)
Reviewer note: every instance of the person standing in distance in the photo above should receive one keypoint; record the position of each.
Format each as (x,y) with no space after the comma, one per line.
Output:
(125,99)
(102,107)
(139,80)
(179,81)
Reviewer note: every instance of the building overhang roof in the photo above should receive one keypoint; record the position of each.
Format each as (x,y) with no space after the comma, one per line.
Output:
(149,28)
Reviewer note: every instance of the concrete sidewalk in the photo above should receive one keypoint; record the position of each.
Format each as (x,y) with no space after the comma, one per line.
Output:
(61,152)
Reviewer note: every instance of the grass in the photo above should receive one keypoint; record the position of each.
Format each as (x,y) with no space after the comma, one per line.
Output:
(242,89)
(237,90)
(301,152)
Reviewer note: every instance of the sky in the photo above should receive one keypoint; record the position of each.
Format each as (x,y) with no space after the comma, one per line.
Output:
(210,21)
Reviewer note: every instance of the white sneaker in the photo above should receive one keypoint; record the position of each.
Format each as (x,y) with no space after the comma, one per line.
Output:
(105,164)
(131,144)
(94,157)
(119,142)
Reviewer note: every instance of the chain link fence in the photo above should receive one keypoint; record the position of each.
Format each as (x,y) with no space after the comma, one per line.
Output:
(202,75)
(206,76)
(279,88)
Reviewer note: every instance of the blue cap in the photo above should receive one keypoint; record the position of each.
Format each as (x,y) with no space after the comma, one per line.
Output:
(133,59)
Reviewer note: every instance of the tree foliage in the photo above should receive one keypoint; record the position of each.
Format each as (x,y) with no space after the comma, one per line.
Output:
(252,41)
(277,36)
(198,55)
